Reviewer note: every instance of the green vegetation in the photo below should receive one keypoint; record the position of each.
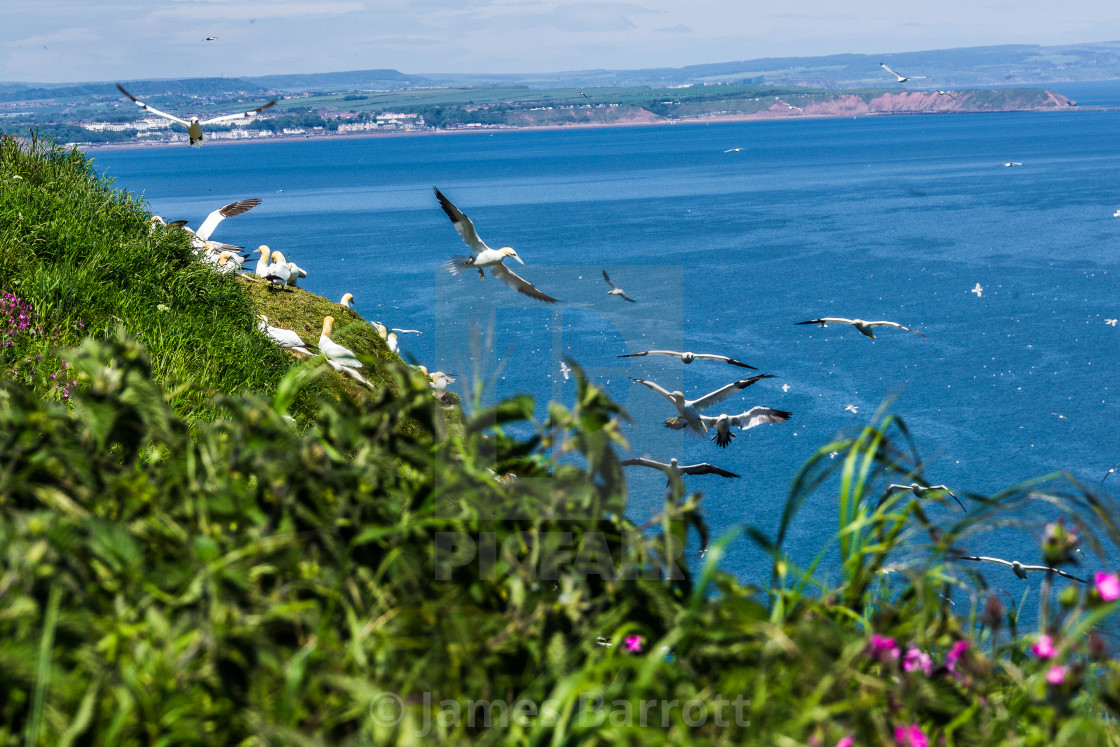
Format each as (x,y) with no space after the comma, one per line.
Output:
(180,563)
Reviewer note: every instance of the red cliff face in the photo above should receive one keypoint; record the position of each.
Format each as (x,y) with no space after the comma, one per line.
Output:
(917,102)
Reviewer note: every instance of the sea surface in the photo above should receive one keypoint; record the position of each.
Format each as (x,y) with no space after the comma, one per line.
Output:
(893,217)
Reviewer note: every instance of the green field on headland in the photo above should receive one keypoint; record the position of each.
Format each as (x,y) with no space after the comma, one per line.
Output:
(207,540)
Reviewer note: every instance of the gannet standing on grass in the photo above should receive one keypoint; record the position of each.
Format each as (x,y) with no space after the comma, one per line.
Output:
(277,273)
(483,256)
(389,338)
(338,357)
(296,273)
(194,126)
(285,338)
(689,410)
(347,299)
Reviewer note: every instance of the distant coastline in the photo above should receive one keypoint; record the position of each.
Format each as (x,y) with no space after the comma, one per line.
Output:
(843,105)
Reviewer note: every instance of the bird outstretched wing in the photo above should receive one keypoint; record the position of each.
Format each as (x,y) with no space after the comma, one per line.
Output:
(151,109)
(519,284)
(462,223)
(242,115)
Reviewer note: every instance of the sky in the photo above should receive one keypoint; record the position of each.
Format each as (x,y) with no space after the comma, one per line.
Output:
(108,40)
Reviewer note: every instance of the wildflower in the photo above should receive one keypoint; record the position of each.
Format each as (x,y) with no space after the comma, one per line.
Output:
(955,653)
(1044,648)
(910,736)
(883,649)
(917,659)
(634,643)
(1057,674)
(847,741)
(1107,585)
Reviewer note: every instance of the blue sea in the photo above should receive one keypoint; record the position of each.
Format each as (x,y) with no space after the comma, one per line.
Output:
(893,217)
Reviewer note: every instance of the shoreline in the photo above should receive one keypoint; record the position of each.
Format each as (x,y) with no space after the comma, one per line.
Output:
(703,119)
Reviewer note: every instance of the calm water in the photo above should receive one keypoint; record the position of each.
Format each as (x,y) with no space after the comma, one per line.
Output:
(881,218)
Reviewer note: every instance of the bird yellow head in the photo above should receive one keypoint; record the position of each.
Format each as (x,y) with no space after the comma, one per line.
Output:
(381,330)
(678,396)
(347,299)
(278,257)
(328,322)
(264,250)
(507,251)
(223,258)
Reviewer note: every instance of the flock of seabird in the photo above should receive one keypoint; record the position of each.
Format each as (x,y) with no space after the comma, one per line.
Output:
(274,269)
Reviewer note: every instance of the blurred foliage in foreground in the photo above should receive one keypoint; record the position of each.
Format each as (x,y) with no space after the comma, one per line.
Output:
(251,582)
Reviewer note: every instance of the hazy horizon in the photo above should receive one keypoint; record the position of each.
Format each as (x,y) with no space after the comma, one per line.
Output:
(67,41)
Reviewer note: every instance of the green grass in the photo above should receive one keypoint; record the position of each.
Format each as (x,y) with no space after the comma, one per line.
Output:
(180,564)
(82,254)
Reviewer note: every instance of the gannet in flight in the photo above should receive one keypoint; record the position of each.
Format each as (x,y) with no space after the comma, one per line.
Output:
(194,125)
(743,421)
(789,105)
(689,410)
(922,490)
(690,357)
(946,93)
(1009,164)
(565,370)
(209,38)
(615,290)
(979,291)
(863,326)
(1019,568)
(483,256)
(1110,322)
(733,150)
(901,78)
(673,468)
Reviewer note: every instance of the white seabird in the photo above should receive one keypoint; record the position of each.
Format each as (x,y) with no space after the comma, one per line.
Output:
(863,326)
(978,290)
(672,468)
(1110,322)
(347,299)
(278,272)
(285,338)
(1015,565)
(1009,164)
(901,78)
(194,126)
(389,338)
(615,290)
(946,93)
(338,357)
(690,357)
(483,256)
(922,490)
(565,371)
(296,273)
(689,410)
(789,105)
(228,262)
(743,421)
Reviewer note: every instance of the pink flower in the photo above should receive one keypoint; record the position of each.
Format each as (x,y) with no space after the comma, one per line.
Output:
(910,736)
(847,741)
(956,652)
(1108,585)
(917,659)
(1057,674)
(1044,648)
(883,649)
(634,643)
